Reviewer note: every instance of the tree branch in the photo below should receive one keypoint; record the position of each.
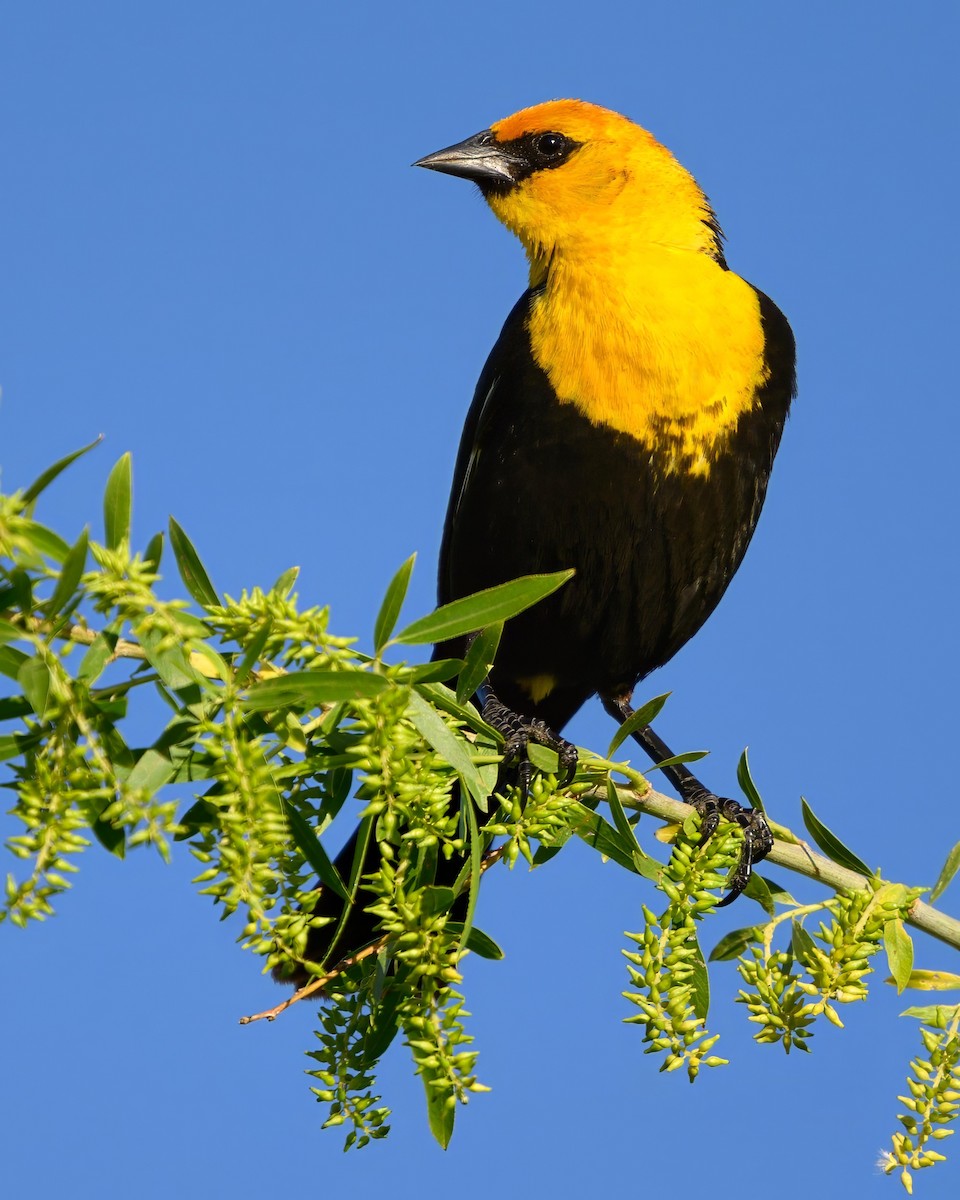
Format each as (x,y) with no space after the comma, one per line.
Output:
(800,858)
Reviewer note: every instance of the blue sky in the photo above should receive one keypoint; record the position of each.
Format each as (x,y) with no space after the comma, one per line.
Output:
(215,254)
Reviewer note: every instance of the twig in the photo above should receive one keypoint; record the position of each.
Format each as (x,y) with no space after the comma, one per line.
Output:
(800,858)
(321,981)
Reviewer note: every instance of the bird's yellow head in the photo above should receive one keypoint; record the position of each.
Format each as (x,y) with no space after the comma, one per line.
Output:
(573,178)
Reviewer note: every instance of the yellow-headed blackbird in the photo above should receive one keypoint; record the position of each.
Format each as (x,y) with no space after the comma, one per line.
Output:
(625,423)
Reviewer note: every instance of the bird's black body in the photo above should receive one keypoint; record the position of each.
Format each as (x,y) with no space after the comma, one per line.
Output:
(538,487)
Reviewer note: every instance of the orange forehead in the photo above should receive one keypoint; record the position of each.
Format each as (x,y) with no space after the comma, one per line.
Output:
(575,118)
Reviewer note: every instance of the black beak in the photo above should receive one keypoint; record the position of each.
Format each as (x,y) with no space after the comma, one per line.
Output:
(479,158)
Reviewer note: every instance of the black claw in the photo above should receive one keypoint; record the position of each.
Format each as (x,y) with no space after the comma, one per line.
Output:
(518,733)
(757,838)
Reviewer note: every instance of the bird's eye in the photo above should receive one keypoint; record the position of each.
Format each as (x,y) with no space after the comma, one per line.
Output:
(551,144)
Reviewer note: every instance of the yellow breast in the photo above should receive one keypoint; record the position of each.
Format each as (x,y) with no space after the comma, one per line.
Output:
(659,343)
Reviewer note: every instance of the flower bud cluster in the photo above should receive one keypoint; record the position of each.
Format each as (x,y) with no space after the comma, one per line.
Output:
(934,1099)
(667,969)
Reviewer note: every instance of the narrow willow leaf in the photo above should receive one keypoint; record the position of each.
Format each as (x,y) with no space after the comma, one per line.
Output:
(603,837)
(479,660)
(950,868)
(803,946)
(284,585)
(483,608)
(734,943)
(436,898)
(931,981)
(170,662)
(253,651)
(747,786)
(118,503)
(393,600)
(192,571)
(11,660)
(677,760)
(73,568)
(441,1110)
(757,890)
(448,745)
(97,656)
(477,941)
(45,541)
(313,851)
(9,632)
(34,679)
(936,1015)
(473,865)
(639,719)
(49,475)
(699,980)
(623,826)
(153,553)
(438,670)
(151,771)
(308,689)
(830,844)
(545,760)
(899,947)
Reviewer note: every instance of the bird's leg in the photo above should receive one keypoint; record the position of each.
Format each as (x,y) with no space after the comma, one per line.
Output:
(518,732)
(757,838)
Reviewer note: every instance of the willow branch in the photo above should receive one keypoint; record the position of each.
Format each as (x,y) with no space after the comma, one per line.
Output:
(799,857)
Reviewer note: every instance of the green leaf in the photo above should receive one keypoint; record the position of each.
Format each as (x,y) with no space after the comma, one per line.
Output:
(438,670)
(9,632)
(153,553)
(284,585)
(931,981)
(747,786)
(545,760)
(109,836)
(308,689)
(73,568)
(151,771)
(936,1015)
(623,826)
(392,603)
(11,660)
(441,1109)
(677,760)
(118,503)
(192,571)
(639,719)
(97,656)
(950,868)
(313,851)
(477,941)
(479,660)
(436,899)
(699,980)
(603,837)
(734,943)
(475,612)
(830,844)
(170,662)
(45,540)
(49,475)
(803,946)
(757,890)
(34,679)
(448,745)
(899,947)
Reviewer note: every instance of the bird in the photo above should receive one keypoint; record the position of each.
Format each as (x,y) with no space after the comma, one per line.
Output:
(624,425)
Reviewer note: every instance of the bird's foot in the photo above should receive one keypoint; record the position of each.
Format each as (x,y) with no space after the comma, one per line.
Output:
(518,732)
(757,838)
